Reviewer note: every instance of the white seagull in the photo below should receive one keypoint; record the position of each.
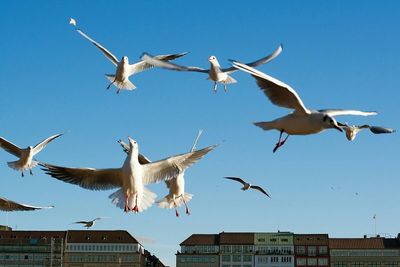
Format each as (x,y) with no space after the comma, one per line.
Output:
(131,178)
(89,224)
(25,155)
(177,195)
(301,121)
(9,205)
(215,73)
(72,21)
(246,185)
(352,131)
(124,70)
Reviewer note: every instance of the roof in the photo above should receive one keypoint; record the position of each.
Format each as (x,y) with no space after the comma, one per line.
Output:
(31,234)
(364,243)
(201,239)
(311,239)
(236,238)
(101,236)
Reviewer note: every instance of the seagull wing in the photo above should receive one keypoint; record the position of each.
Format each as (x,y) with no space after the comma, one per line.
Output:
(39,147)
(82,222)
(381,130)
(154,61)
(89,178)
(341,112)
(142,158)
(259,61)
(144,65)
(9,205)
(10,147)
(107,53)
(278,92)
(256,187)
(196,140)
(240,180)
(172,166)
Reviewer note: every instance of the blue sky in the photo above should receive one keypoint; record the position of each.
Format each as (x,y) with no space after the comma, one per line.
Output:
(341,54)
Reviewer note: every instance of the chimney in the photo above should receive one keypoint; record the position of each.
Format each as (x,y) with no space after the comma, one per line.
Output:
(365,236)
(398,236)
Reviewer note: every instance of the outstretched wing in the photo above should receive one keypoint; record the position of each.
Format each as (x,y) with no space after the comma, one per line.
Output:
(381,130)
(154,61)
(10,147)
(9,205)
(240,180)
(278,92)
(341,112)
(196,140)
(107,53)
(256,187)
(172,166)
(259,61)
(89,178)
(144,65)
(39,147)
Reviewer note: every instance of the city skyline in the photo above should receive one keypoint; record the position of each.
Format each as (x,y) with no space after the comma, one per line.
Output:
(335,55)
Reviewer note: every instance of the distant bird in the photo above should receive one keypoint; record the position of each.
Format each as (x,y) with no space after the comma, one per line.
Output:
(246,185)
(25,155)
(301,121)
(89,224)
(124,70)
(352,131)
(177,195)
(9,205)
(215,73)
(72,21)
(131,178)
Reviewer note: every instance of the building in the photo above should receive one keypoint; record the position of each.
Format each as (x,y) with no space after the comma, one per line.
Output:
(311,249)
(73,249)
(274,249)
(365,252)
(199,250)
(236,249)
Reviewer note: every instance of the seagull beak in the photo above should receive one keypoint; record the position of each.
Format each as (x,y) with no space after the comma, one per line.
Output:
(338,128)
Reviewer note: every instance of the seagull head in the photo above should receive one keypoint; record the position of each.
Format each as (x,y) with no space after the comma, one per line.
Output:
(213,60)
(330,122)
(134,145)
(125,59)
(30,147)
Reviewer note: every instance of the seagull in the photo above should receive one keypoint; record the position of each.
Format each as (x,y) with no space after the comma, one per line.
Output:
(72,21)
(215,73)
(177,195)
(246,185)
(9,205)
(25,155)
(89,224)
(131,178)
(352,131)
(301,121)
(124,70)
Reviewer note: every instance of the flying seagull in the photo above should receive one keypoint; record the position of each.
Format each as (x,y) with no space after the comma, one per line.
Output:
(177,195)
(123,69)
(215,73)
(131,178)
(89,224)
(72,21)
(352,131)
(9,205)
(25,155)
(301,121)
(246,185)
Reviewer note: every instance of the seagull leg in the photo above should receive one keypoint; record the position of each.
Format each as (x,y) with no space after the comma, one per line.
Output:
(215,87)
(108,87)
(280,143)
(136,208)
(126,209)
(22,173)
(176,207)
(187,208)
(30,171)
(225,87)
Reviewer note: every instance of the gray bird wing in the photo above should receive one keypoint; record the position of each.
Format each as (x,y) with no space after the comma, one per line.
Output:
(9,205)
(144,65)
(238,179)
(39,147)
(196,140)
(10,147)
(107,53)
(381,130)
(153,61)
(342,112)
(88,178)
(170,167)
(278,92)
(258,62)
(256,187)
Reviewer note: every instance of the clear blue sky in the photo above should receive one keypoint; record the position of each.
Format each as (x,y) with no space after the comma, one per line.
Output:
(342,54)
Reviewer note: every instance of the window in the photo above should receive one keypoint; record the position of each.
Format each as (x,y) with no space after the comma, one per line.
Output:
(323,250)
(274,259)
(312,262)
(237,258)
(226,249)
(262,259)
(301,262)
(312,251)
(247,258)
(340,264)
(301,250)
(236,249)
(226,258)
(286,259)
(324,262)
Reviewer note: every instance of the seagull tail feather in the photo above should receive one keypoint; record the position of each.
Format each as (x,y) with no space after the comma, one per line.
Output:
(118,199)
(147,199)
(266,125)
(168,203)
(230,80)
(126,85)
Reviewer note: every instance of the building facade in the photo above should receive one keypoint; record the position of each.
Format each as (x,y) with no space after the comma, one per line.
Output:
(199,250)
(274,249)
(311,250)
(236,249)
